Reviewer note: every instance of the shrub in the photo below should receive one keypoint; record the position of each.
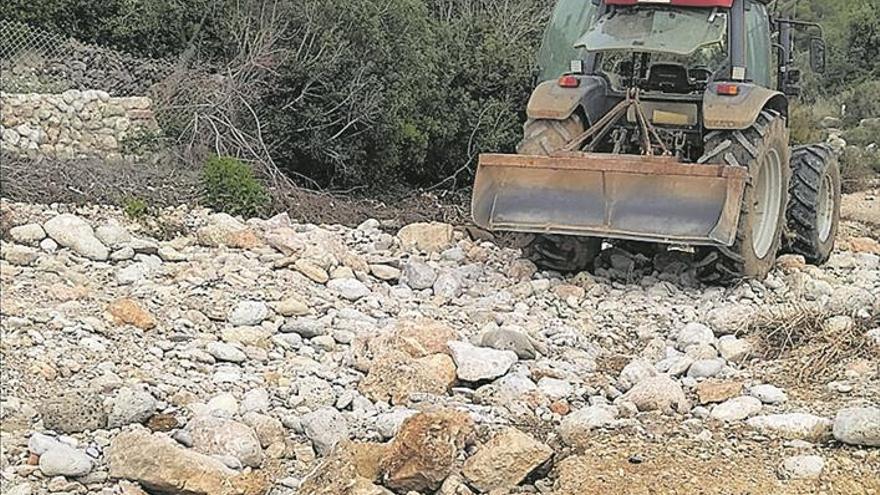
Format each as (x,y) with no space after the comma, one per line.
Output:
(230,186)
(135,208)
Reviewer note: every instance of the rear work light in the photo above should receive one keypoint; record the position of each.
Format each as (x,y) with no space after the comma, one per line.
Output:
(727,89)
(569,81)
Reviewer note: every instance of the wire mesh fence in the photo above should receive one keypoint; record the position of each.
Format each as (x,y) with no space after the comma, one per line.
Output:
(36,61)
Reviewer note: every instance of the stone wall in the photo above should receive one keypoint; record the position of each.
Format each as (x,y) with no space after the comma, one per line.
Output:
(74,123)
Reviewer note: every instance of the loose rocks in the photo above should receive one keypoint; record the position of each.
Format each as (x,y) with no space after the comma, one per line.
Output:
(858,426)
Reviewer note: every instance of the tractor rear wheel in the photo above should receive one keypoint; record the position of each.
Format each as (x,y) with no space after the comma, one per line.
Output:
(560,253)
(814,203)
(763,149)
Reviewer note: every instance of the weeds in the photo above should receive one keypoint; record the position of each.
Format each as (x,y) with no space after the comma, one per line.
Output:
(230,186)
(808,334)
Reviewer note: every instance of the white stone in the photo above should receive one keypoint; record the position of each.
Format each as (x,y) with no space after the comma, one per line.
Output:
(705,368)
(325,428)
(30,234)
(349,288)
(733,349)
(694,334)
(858,426)
(793,426)
(768,394)
(75,233)
(64,460)
(474,364)
(418,275)
(248,313)
(634,372)
(555,388)
(226,352)
(576,426)
(736,409)
(802,467)
(130,406)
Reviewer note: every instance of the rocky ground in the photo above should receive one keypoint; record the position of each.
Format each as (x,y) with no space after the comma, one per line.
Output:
(195,353)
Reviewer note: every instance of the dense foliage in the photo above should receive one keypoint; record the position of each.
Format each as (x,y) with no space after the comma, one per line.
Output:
(375,92)
(230,186)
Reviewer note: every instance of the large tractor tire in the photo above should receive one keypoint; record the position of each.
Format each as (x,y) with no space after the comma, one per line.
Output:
(814,203)
(560,253)
(763,149)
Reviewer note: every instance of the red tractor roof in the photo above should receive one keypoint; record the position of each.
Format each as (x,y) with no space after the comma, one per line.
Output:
(676,3)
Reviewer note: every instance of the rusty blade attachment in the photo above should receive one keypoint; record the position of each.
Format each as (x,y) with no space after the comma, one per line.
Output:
(646,198)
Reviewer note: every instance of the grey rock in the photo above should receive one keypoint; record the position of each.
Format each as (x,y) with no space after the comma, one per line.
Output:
(30,234)
(171,255)
(73,412)
(219,436)
(226,352)
(39,443)
(113,235)
(130,406)
(793,426)
(75,233)
(64,460)
(576,427)
(660,393)
(694,334)
(508,339)
(555,388)
(634,372)
(387,424)
(248,313)
(802,467)
(17,254)
(705,368)
(480,363)
(448,285)
(858,426)
(418,275)
(349,288)
(325,428)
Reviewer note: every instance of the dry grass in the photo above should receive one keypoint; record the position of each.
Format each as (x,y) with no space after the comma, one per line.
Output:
(802,333)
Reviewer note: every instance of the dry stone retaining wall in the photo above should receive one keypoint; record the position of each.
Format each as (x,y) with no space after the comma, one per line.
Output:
(74,123)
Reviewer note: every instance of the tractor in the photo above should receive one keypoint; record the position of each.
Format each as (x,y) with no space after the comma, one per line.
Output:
(665,123)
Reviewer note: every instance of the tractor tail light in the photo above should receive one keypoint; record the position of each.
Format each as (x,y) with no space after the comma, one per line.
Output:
(727,89)
(569,81)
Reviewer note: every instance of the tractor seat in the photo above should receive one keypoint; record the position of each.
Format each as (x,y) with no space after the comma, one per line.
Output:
(668,78)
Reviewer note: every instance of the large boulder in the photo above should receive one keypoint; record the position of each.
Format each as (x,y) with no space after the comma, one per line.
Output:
(394,376)
(218,436)
(161,465)
(75,233)
(350,469)
(423,453)
(505,460)
(429,237)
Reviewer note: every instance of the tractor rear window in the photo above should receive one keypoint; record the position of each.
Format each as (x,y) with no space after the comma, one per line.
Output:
(677,31)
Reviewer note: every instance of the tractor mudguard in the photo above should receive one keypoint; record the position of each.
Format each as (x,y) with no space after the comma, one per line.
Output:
(740,111)
(553,102)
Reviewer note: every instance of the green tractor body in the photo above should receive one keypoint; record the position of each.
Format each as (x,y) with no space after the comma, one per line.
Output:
(662,122)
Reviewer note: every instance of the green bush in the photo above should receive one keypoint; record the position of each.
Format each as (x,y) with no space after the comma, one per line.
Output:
(401,90)
(135,208)
(230,186)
